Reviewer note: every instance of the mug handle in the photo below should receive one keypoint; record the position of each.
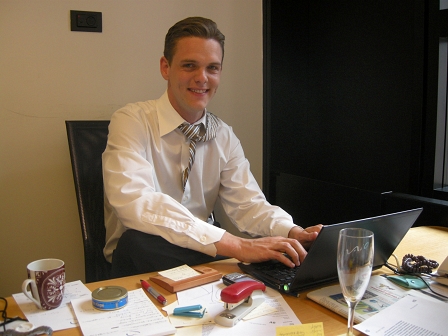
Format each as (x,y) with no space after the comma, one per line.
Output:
(33,291)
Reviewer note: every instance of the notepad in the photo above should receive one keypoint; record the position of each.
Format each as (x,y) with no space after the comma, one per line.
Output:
(179,273)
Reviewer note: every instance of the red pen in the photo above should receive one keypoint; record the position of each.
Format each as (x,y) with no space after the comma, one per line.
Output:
(147,287)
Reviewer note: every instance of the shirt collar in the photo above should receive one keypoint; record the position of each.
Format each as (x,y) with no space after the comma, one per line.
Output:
(168,117)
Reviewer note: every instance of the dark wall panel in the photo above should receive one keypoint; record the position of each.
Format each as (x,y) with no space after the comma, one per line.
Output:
(346,92)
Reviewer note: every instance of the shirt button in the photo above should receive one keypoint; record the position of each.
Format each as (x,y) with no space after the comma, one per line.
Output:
(203,238)
(185,198)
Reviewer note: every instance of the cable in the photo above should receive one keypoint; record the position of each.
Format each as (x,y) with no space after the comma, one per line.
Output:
(5,317)
(392,267)
(396,260)
(414,265)
(427,284)
(418,264)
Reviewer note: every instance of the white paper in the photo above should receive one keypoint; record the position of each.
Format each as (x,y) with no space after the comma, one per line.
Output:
(380,294)
(184,321)
(190,331)
(179,273)
(409,316)
(209,296)
(263,309)
(59,318)
(436,287)
(139,317)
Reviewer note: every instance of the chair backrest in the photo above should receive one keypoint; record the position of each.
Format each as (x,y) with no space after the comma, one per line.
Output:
(87,141)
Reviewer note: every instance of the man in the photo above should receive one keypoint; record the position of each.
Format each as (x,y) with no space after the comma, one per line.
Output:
(167,162)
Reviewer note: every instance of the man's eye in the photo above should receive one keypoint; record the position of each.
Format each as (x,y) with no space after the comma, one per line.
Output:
(188,66)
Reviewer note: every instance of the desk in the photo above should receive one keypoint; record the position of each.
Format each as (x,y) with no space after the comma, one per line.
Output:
(427,241)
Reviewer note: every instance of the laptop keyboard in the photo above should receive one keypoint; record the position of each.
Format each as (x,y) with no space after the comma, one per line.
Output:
(276,271)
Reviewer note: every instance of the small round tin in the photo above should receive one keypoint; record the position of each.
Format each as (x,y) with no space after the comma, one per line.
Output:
(109,298)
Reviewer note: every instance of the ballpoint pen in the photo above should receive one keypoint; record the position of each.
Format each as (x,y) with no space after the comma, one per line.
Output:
(159,297)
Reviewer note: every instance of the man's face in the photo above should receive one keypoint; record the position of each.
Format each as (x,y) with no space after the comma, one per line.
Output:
(193,76)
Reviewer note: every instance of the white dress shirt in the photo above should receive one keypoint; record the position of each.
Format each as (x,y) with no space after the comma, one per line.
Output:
(142,167)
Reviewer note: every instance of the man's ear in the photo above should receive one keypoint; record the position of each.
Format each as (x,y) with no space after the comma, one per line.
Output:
(164,68)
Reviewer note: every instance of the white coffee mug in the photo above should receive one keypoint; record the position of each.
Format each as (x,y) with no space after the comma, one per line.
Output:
(46,277)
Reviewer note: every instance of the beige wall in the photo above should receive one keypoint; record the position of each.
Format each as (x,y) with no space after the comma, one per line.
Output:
(49,74)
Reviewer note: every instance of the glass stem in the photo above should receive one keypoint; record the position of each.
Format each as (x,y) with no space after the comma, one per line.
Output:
(351,317)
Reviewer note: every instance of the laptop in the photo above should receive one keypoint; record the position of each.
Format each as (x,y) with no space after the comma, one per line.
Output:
(319,266)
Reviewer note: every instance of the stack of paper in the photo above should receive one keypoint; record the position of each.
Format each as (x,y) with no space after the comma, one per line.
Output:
(60,318)
(263,320)
(410,316)
(139,317)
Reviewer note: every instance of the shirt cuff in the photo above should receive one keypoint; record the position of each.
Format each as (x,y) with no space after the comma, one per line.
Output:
(282,229)
(204,236)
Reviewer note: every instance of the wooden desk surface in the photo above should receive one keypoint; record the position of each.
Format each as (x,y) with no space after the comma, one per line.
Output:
(430,242)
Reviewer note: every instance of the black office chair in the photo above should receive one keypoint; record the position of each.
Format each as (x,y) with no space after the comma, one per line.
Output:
(87,141)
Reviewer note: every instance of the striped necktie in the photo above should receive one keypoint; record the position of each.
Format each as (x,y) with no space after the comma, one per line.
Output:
(193,132)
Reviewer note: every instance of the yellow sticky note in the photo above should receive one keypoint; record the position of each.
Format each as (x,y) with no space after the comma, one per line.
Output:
(308,329)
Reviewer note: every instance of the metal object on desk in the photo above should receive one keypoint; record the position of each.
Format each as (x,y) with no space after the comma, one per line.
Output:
(240,299)
(33,332)
(110,297)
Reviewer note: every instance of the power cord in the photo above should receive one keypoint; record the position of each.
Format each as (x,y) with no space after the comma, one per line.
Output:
(416,266)
(5,317)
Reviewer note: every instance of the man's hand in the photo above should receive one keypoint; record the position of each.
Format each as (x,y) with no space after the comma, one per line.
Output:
(305,236)
(267,248)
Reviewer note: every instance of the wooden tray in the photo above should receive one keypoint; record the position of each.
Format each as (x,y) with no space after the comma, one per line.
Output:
(207,275)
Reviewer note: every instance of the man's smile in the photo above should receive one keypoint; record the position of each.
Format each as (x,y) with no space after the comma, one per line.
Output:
(199,91)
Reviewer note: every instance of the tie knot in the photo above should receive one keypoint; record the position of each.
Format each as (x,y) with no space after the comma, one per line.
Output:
(192,132)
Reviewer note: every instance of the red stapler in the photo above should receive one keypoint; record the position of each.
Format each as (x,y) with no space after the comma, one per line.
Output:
(239,300)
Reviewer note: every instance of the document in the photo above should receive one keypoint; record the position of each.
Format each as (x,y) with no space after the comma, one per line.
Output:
(59,318)
(139,317)
(273,313)
(380,294)
(410,316)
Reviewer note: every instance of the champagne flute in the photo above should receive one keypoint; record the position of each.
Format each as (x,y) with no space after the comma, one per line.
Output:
(355,258)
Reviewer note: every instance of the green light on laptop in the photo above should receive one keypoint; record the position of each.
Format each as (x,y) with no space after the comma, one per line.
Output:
(286,288)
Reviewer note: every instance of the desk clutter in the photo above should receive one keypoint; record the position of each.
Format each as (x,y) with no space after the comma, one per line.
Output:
(387,305)
(212,307)
(250,309)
